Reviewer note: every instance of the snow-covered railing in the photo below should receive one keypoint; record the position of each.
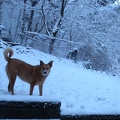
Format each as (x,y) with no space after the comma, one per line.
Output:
(42,42)
(10,42)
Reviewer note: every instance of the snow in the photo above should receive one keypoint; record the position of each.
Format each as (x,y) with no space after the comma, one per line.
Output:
(2,27)
(80,91)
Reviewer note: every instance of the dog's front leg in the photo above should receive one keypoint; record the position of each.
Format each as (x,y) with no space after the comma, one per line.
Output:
(40,89)
(31,88)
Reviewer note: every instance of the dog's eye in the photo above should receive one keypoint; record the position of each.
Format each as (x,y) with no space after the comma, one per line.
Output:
(43,68)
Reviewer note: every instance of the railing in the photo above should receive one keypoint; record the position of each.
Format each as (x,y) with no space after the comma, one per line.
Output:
(42,42)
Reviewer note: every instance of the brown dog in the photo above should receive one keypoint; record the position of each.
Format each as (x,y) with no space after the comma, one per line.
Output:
(34,75)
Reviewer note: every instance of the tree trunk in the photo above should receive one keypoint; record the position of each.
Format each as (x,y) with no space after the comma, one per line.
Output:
(31,16)
(51,44)
(1,2)
(24,20)
(57,26)
(14,38)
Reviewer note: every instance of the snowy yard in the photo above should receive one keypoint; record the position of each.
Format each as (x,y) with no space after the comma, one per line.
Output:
(80,91)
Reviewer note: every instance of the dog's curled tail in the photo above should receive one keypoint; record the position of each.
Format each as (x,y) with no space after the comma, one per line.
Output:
(8,53)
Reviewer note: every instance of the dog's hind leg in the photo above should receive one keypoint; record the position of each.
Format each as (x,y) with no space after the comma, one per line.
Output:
(12,87)
(12,79)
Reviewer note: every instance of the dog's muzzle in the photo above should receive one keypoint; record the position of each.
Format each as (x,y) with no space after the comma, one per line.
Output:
(44,72)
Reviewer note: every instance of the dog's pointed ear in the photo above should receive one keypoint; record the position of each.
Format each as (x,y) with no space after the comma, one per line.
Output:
(50,63)
(41,62)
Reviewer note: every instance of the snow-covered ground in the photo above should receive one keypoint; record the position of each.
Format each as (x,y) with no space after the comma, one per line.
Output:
(80,91)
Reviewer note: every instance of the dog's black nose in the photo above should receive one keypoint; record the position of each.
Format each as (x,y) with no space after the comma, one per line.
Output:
(45,72)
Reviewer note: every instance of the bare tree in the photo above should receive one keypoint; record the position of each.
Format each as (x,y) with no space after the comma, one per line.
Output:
(1,15)
(23,20)
(33,2)
(57,25)
(1,2)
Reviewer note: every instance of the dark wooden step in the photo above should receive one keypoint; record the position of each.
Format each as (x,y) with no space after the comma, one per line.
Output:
(29,110)
(91,117)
